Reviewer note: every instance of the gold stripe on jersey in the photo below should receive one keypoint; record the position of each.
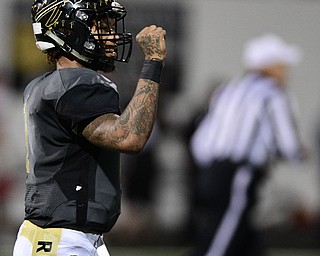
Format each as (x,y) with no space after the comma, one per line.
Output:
(26,129)
(44,241)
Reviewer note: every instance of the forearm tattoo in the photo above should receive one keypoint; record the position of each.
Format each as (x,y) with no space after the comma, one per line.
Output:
(139,116)
(137,120)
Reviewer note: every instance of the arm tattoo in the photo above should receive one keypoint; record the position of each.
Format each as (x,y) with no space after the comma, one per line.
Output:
(137,120)
(139,116)
(152,45)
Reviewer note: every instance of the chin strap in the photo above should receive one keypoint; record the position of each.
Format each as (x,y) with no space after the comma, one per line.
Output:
(66,47)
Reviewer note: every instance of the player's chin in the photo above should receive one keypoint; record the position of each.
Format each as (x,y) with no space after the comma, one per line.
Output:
(111,54)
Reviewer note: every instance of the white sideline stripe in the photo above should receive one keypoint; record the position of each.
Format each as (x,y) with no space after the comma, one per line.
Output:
(231,218)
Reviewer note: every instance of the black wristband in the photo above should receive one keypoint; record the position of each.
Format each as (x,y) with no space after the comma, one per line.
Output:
(152,70)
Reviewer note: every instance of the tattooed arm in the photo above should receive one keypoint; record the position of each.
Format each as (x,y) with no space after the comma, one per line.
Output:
(130,131)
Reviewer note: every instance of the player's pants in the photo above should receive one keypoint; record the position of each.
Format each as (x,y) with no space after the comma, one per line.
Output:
(35,241)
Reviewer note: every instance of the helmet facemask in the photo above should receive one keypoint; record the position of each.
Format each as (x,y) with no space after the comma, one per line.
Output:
(108,40)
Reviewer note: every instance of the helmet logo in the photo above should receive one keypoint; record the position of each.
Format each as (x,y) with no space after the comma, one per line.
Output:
(53,10)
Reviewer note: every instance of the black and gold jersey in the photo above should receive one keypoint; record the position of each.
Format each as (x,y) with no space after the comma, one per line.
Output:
(70,182)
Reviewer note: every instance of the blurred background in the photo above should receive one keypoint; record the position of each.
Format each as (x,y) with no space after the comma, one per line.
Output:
(205,39)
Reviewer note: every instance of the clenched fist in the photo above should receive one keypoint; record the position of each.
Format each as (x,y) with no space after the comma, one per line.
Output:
(152,43)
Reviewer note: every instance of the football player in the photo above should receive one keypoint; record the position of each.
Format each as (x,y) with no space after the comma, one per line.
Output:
(75,131)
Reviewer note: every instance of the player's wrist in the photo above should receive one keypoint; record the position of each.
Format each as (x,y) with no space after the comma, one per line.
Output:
(154,58)
(152,69)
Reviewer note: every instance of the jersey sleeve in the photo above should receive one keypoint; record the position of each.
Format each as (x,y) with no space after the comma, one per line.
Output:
(82,103)
(285,127)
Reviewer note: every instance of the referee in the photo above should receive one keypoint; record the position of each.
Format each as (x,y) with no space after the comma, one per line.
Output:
(249,125)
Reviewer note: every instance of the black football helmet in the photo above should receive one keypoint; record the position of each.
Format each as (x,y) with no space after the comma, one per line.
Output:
(66,25)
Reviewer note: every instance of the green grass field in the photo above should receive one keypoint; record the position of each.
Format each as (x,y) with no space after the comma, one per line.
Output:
(177,251)
(6,250)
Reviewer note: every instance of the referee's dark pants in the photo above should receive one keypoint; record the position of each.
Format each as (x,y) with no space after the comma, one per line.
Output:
(226,195)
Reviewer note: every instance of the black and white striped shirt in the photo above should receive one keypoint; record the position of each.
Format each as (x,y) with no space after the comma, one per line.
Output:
(250,119)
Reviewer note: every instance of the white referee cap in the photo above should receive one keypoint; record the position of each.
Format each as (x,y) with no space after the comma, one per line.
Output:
(269,49)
